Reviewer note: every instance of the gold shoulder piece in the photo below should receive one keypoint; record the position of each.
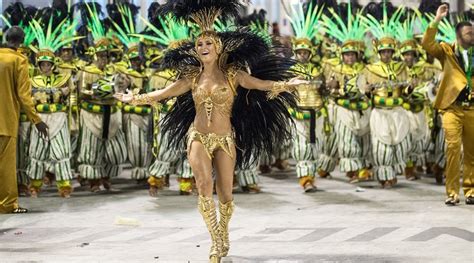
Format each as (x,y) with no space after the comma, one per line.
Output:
(110,69)
(398,67)
(190,72)
(132,73)
(38,81)
(232,71)
(66,65)
(61,80)
(93,69)
(377,69)
(315,71)
(80,64)
(331,61)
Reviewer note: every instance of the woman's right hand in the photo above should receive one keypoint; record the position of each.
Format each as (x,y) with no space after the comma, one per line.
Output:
(125,98)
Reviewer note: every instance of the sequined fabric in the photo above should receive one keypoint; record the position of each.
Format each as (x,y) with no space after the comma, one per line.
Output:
(212,141)
(219,99)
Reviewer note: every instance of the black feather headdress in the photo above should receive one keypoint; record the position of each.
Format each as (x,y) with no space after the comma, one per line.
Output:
(19,15)
(120,18)
(153,15)
(82,8)
(202,12)
(429,6)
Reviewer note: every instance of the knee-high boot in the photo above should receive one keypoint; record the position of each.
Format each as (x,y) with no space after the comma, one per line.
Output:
(207,208)
(226,210)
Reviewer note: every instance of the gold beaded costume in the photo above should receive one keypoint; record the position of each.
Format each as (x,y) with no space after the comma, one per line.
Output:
(259,119)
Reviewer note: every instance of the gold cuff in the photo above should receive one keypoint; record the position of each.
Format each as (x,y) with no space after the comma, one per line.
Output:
(142,99)
(278,87)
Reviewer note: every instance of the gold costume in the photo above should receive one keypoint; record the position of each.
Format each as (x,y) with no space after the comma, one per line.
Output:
(47,92)
(16,92)
(309,95)
(212,141)
(221,99)
(348,95)
(385,81)
(457,113)
(88,79)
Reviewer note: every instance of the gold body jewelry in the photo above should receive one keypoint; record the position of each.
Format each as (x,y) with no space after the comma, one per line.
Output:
(220,99)
(142,99)
(212,141)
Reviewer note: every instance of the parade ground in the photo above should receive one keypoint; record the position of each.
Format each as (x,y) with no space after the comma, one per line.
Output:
(341,222)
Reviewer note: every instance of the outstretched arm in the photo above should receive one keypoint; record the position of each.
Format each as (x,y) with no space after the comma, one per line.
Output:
(429,43)
(175,89)
(245,80)
(274,87)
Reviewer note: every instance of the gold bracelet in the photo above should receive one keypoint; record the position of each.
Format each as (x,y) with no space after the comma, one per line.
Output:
(278,87)
(142,99)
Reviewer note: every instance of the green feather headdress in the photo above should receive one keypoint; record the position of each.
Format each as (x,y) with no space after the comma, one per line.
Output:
(224,25)
(51,40)
(304,25)
(405,34)
(385,31)
(29,36)
(423,21)
(351,34)
(97,30)
(173,31)
(127,34)
(262,30)
(447,32)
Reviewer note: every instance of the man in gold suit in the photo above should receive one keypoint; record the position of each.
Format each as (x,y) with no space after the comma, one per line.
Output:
(16,92)
(455,99)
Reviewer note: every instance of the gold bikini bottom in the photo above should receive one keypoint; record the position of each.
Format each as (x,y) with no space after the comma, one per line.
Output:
(212,141)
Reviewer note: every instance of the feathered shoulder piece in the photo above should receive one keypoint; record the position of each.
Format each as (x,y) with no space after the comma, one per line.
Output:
(202,12)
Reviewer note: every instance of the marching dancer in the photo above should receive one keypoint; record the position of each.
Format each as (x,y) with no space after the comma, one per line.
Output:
(50,93)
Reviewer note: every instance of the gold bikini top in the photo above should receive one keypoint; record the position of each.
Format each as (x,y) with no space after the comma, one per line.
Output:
(220,98)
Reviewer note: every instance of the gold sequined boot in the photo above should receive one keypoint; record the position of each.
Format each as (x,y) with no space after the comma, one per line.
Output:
(226,210)
(207,208)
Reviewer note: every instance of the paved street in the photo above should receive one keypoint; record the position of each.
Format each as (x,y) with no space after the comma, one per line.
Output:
(339,223)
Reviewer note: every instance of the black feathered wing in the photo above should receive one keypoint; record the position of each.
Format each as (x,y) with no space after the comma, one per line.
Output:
(260,124)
